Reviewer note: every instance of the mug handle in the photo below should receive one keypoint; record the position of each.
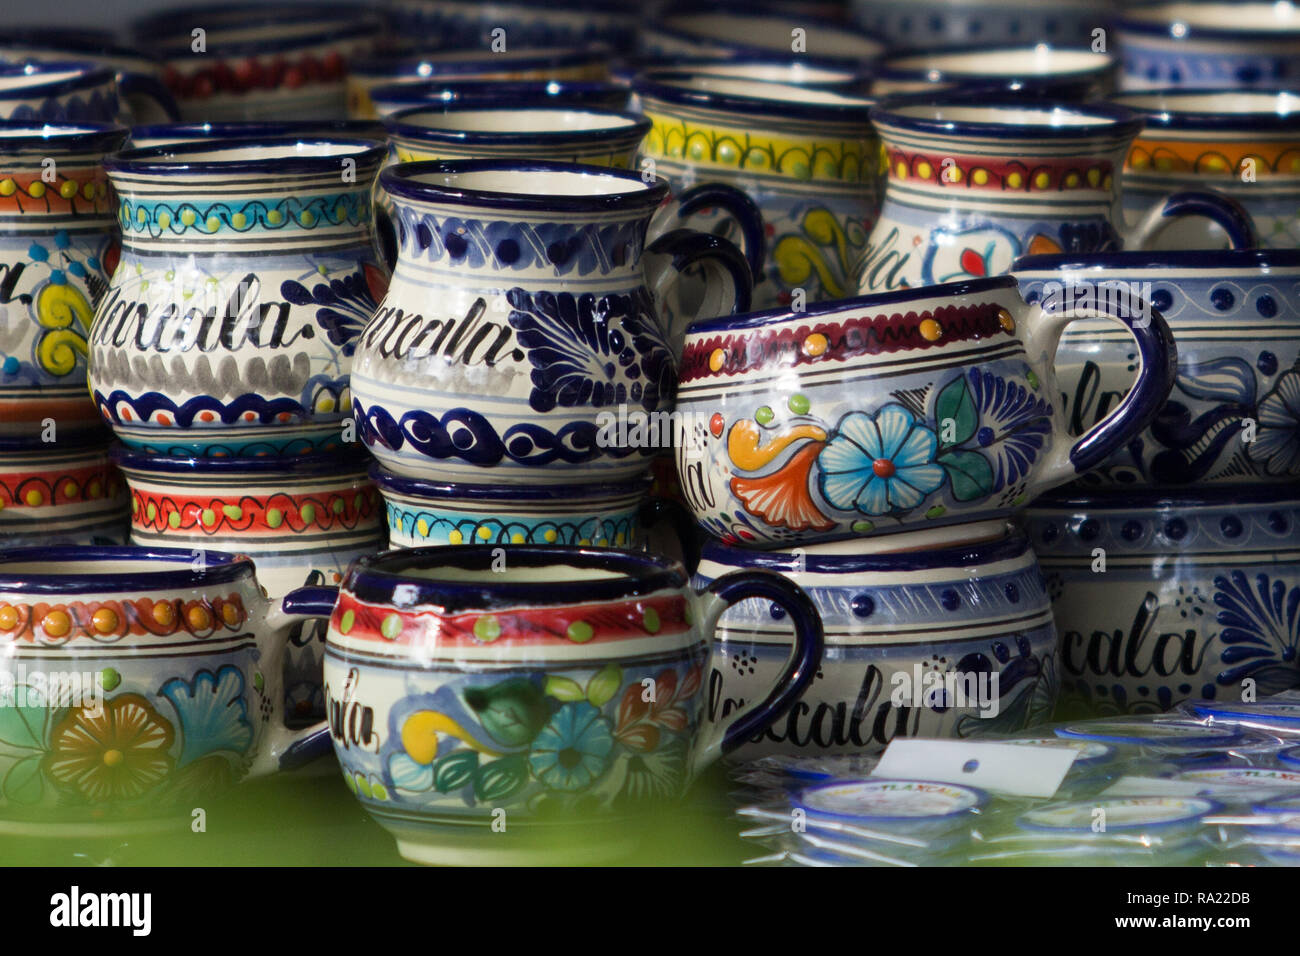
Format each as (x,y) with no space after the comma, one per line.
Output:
(796,675)
(138,86)
(724,266)
(656,510)
(283,748)
(740,207)
(1157,369)
(1222,210)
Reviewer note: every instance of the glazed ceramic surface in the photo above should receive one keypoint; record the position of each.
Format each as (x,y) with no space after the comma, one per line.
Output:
(60,493)
(171,134)
(260,61)
(889,413)
(248,269)
(139,85)
(67,91)
(684,31)
(970,626)
(422,513)
(1234,413)
(1193,595)
(806,158)
(567,686)
(57,250)
(461,63)
(595,94)
(521,316)
(941,24)
(1242,143)
(1056,73)
(525,25)
(972,187)
(1209,44)
(137,685)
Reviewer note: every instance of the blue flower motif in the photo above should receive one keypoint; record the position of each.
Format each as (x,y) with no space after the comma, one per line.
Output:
(573,750)
(1277,440)
(212,713)
(881,464)
(344,305)
(1260,631)
(1014,423)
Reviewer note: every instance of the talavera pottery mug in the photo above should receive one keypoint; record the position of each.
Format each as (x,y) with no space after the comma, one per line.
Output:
(969,625)
(892,412)
(527,24)
(519,313)
(1069,74)
(137,683)
(61,492)
(565,691)
(806,157)
(940,24)
(971,187)
(687,30)
(248,268)
(1234,413)
(1180,43)
(58,248)
(171,134)
(64,91)
(1163,598)
(598,94)
(1244,144)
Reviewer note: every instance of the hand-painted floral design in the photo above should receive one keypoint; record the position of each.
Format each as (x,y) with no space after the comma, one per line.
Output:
(213,713)
(1260,621)
(117,751)
(589,351)
(880,464)
(573,750)
(1277,440)
(344,305)
(1014,422)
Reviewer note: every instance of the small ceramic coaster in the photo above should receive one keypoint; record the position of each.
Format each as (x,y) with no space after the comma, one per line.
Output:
(1144,733)
(1236,776)
(1264,711)
(875,802)
(1134,813)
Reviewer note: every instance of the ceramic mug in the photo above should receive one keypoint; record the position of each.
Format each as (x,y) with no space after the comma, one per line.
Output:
(973,186)
(805,156)
(891,413)
(138,683)
(1234,413)
(597,94)
(942,639)
(566,688)
(248,268)
(1244,144)
(924,25)
(64,492)
(1041,71)
(58,248)
(68,91)
(172,134)
(686,30)
(527,25)
(1194,594)
(1207,44)
(521,315)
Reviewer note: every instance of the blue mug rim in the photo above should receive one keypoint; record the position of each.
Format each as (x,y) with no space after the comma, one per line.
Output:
(155,160)
(663,84)
(1182,774)
(694,63)
(1160,259)
(1212,806)
(1120,123)
(379,578)
(257,129)
(341,463)
(1209,739)
(219,567)
(801,797)
(1254,121)
(399,124)
(887,68)
(398,180)
(1270,806)
(1214,709)
(355,22)
(422,488)
(761,9)
(1127,22)
(384,65)
(91,137)
(74,41)
(87,74)
(426,91)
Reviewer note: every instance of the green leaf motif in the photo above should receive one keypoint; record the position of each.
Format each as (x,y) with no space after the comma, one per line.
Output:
(23,727)
(605,684)
(24,783)
(500,779)
(564,688)
(512,712)
(454,770)
(955,404)
(970,473)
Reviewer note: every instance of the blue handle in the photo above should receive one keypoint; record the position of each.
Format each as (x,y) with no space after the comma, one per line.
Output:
(655,510)
(138,85)
(298,748)
(1222,210)
(805,657)
(741,208)
(688,248)
(310,602)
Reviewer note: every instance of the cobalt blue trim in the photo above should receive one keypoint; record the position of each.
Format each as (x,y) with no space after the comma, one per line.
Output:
(588,93)
(171,160)
(87,75)
(1141,259)
(568,494)
(428,66)
(690,248)
(668,86)
(310,602)
(1230,215)
(1121,123)
(891,69)
(73,137)
(1211,806)
(1165,28)
(153,30)
(218,567)
(382,578)
(741,208)
(633,126)
(1215,709)
(1013,545)
(1167,115)
(403,182)
(1212,736)
(300,465)
(325,129)
(1290,757)
(737,44)
(1148,499)
(72,40)
(1283,804)
(880,300)
(800,800)
(64,440)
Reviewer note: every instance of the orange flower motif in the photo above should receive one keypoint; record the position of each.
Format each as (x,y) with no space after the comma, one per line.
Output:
(117,753)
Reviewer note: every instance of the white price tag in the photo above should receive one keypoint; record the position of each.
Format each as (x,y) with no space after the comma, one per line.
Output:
(1006,768)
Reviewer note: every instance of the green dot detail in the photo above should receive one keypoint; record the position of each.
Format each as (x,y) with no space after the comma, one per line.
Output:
(309,512)
(799,404)
(391,627)
(764,415)
(937,511)
(487,628)
(863,527)
(580,632)
(274,517)
(110,678)
(347,620)
(651,620)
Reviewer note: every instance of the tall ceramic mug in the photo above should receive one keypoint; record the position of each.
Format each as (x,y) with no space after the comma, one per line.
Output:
(57,250)
(971,187)
(522,315)
(893,412)
(60,91)
(137,683)
(248,268)
(1244,144)
(1234,413)
(566,687)
(806,157)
